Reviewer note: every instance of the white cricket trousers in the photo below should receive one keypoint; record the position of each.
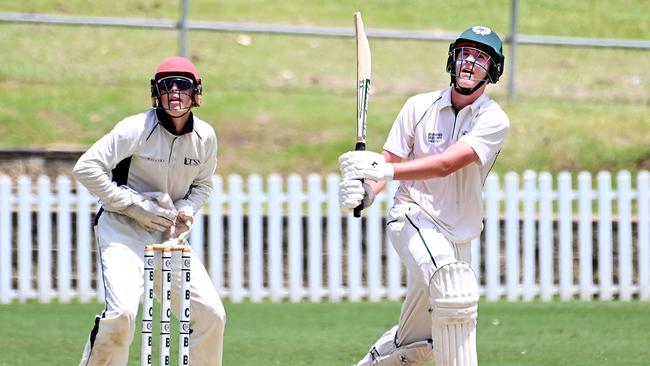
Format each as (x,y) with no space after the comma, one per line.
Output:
(121,245)
(422,249)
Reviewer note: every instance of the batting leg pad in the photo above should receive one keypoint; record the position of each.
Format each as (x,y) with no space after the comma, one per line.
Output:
(453,296)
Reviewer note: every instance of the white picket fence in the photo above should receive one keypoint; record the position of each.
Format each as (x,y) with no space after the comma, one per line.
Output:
(273,239)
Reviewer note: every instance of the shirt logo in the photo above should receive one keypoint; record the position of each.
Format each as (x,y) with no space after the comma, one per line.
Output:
(154,160)
(434,137)
(190,161)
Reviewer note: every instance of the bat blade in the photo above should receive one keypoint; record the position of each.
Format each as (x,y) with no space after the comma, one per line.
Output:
(363,80)
(363,87)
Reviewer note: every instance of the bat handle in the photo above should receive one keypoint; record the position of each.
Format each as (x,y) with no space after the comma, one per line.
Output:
(360,146)
(357,210)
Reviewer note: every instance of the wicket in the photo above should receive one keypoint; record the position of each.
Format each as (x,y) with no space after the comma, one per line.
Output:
(166,252)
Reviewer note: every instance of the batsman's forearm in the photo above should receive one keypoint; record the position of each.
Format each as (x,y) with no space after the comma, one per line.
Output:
(376,186)
(454,158)
(420,169)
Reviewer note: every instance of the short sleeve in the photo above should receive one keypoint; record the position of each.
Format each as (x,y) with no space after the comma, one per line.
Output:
(401,137)
(488,134)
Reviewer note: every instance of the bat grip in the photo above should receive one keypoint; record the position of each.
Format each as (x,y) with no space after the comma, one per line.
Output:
(360,146)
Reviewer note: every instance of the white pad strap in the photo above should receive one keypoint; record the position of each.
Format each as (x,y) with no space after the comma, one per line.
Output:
(453,296)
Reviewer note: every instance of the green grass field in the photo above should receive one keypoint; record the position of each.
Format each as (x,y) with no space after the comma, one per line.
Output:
(517,334)
(292,99)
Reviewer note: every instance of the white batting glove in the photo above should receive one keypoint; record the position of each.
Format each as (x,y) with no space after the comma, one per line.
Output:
(365,164)
(353,192)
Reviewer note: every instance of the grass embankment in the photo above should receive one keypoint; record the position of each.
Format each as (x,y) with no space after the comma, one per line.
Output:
(287,103)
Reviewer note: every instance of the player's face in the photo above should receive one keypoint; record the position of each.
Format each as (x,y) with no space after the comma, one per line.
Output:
(471,66)
(175,94)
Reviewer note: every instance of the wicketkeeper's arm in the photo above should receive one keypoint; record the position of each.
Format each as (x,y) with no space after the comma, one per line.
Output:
(201,188)
(94,166)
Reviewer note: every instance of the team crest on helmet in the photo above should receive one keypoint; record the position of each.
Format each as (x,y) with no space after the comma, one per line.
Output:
(483,31)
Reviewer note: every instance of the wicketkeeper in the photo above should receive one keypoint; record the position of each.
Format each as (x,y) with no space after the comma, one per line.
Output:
(441,148)
(152,173)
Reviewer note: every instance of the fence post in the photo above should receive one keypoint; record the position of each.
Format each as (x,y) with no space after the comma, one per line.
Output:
(5,240)
(624,235)
(44,219)
(295,237)
(276,280)
(512,236)
(546,271)
(529,264)
(255,233)
(565,199)
(585,251)
(63,231)
(24,238)
(334,242)
(643,197)
(235,238)
(605,262)
(215,243)
(315,237)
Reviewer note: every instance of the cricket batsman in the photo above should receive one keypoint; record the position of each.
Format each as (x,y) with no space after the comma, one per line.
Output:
(441,148)
(152,173)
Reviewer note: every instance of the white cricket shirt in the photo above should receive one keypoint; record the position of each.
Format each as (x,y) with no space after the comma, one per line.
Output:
(144,153)
(427,125)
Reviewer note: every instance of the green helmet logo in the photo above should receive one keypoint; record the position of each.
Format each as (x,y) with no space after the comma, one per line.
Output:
(485,38)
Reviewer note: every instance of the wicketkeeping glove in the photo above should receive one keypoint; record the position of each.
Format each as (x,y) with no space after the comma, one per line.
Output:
(150,215)
(182,225)
(352,192)
(365,164)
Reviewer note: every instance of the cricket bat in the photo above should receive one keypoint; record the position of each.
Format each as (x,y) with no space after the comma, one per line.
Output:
(363,88)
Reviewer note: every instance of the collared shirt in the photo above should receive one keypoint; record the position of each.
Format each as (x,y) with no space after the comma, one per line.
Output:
(428,125)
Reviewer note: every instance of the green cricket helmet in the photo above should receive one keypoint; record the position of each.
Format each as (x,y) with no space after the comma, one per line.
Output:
(484,39)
